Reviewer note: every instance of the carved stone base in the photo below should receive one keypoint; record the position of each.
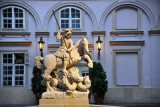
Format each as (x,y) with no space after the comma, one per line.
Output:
(71,102)
(64,95)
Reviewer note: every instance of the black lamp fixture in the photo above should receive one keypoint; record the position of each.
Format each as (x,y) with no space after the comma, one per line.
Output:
(41,45)
(99,46)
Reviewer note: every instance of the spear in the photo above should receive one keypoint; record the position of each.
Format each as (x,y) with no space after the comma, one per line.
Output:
(56,19)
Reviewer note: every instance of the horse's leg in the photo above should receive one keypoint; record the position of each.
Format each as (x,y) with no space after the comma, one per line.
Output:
(65,66)
(47,75)
(90,62)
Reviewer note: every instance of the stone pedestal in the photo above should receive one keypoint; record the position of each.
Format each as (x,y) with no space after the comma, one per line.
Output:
(62,99)
(72,102)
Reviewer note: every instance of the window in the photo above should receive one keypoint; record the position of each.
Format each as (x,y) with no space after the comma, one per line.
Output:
(85,74)
(130,75)
(13,18)
(70,17)
(13,69)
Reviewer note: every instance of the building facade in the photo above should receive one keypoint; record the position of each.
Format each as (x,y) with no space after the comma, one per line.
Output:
(130,55)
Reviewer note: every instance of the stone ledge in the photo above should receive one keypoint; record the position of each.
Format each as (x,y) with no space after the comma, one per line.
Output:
(126,42)
(72,102)
(126,32)
(61,95)
(15,33)
(15,43)
(73,33)
(58,45)
(154,32)
(95,33)
(42,33)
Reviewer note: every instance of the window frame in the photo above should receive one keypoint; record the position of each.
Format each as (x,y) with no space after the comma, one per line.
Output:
(70,18)
(13,18)
(13,75)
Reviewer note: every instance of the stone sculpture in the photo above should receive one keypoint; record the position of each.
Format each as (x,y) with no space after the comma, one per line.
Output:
(66,83)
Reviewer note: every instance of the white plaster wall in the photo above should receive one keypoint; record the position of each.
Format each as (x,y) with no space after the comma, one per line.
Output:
(150,49)
(126,18)
(155,61)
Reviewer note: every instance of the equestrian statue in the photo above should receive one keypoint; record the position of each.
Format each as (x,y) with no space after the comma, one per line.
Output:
(61,74)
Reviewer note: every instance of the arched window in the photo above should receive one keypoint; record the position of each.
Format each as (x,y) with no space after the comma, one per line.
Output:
(70,17)
(13,18)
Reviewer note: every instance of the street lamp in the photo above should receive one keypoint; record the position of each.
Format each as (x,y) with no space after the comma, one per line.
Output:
(99,46)
(41,45)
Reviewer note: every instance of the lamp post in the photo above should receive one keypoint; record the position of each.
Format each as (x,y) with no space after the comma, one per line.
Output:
(99,46)
(41,45)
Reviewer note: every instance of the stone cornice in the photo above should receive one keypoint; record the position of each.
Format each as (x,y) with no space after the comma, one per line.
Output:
(42,33)
(127,42)
(58,45)
(126,32)
(15,43)
(98,33)
(15,33)
(154,32)
(73,33)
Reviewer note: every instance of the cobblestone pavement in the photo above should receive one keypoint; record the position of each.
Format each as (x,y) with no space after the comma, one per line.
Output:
(91,105)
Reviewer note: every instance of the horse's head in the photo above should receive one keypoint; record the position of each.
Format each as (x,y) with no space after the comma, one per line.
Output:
(85,44)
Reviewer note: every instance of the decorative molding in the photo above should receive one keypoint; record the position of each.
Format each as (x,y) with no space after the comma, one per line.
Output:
(15,43)
(117,43)
(42,33)
(95,33)
(58,45)
(15,33)
(26,6)
(154,32)
(80,5)
(116,4)
(126,32)
(139,64)
(73,33)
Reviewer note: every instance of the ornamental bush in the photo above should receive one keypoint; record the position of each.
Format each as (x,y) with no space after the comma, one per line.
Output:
(98,79)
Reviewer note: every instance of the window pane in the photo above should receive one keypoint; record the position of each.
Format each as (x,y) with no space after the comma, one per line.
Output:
(21,21)
(73,13)
(15,9)
(9,25)
(19,58)
(19,80)
(16,14)
(5,25)
(4,14)
(76,23)
(5,72)
(65,13)
(4,60)
(7,81)
(64,23)
(20,25)
(77,14)
(20,14)
(73,26)
(19,69)
(10,14)
(4,55)
(9,9)
(17,26)
(10,21)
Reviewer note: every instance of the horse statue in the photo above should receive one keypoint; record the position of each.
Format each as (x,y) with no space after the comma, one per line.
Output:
(52,63)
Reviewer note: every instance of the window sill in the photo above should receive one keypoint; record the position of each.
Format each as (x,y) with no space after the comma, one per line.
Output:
(14,33)
(73,33)
(154,32)
(117,43)
(126,32)
(15,43)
